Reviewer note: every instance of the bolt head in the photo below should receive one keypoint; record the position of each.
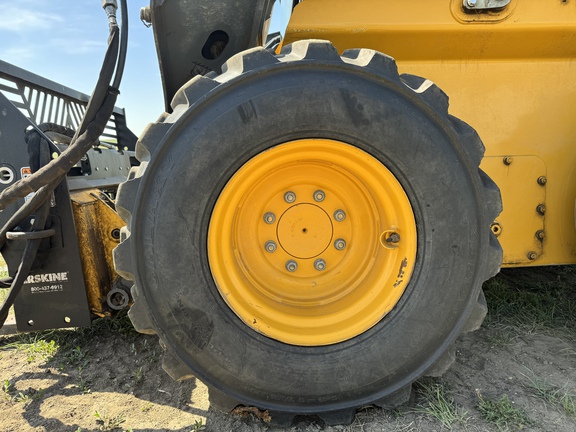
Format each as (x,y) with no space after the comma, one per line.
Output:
(532,256)
(320,264)
(270,246)
(541,209)
(291,266)
(289,197)
(269,218)
(339,215)
(340,244)
(471,3)
(319,196)
(507,160)
(542,180)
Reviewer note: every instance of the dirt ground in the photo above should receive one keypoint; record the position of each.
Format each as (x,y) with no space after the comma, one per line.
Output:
(516,373)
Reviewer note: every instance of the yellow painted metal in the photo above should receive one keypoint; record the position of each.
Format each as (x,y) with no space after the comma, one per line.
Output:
(298,245)
(95,222)
(509,74)
(518,178)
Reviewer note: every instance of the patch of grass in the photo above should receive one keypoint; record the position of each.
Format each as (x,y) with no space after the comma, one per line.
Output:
(533,301)
(36,345)
(198,426)
(108,423)
(502,413)
(7,388)
(438,403)
(138,376)
(82,383)
(558,397)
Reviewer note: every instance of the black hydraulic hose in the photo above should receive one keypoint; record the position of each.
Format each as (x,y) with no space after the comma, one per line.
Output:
(31,248)
(104,79)
(123,45)
(28,258)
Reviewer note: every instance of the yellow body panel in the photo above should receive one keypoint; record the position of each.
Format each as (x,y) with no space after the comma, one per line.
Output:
(510,74)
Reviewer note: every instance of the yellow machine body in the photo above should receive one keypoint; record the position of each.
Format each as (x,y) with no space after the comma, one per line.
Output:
(510,74)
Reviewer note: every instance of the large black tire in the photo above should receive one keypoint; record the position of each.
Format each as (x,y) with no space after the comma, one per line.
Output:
(260,101)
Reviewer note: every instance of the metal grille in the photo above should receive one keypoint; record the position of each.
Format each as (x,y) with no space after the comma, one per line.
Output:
(42,100)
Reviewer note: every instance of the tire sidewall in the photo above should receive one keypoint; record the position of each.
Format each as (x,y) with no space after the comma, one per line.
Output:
(213,139)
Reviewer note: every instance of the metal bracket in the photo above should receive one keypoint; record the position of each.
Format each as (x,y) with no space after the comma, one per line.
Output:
(484,5)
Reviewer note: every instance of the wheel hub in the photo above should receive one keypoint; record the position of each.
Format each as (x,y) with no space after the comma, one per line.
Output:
(304,231)
(300,258)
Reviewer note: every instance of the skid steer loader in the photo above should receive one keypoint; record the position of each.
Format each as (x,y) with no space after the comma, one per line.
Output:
(303,209)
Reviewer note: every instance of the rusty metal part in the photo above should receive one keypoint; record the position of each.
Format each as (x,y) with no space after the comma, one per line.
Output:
(95,223)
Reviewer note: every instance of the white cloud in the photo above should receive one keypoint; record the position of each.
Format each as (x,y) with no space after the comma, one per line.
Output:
(78,47)
(23,20)
(17,54)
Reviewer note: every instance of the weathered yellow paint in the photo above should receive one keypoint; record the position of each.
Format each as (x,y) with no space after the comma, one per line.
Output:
(95,220)
(509,74)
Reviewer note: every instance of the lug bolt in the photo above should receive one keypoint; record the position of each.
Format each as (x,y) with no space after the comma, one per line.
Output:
(507,160)
(291,266)
(339,215)
(393,238)
(270,246)
(269,218)
(542,180)
(340,244)
(541,209)
(320,264)
(540,234)
(289,197)
(319,196)
(532,256)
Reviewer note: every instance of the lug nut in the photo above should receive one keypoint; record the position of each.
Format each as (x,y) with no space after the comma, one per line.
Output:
(270,246)
(291,266)
(320,264)
(340,244)
(289,197)
(541,209)
(542,180)
(319,196)
(393,238)
(269,218)
(496,228)
(507,160)
(339,215)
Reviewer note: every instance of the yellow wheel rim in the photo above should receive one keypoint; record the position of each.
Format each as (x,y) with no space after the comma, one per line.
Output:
(312,242)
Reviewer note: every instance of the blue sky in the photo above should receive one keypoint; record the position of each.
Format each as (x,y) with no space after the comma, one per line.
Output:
(65,41)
